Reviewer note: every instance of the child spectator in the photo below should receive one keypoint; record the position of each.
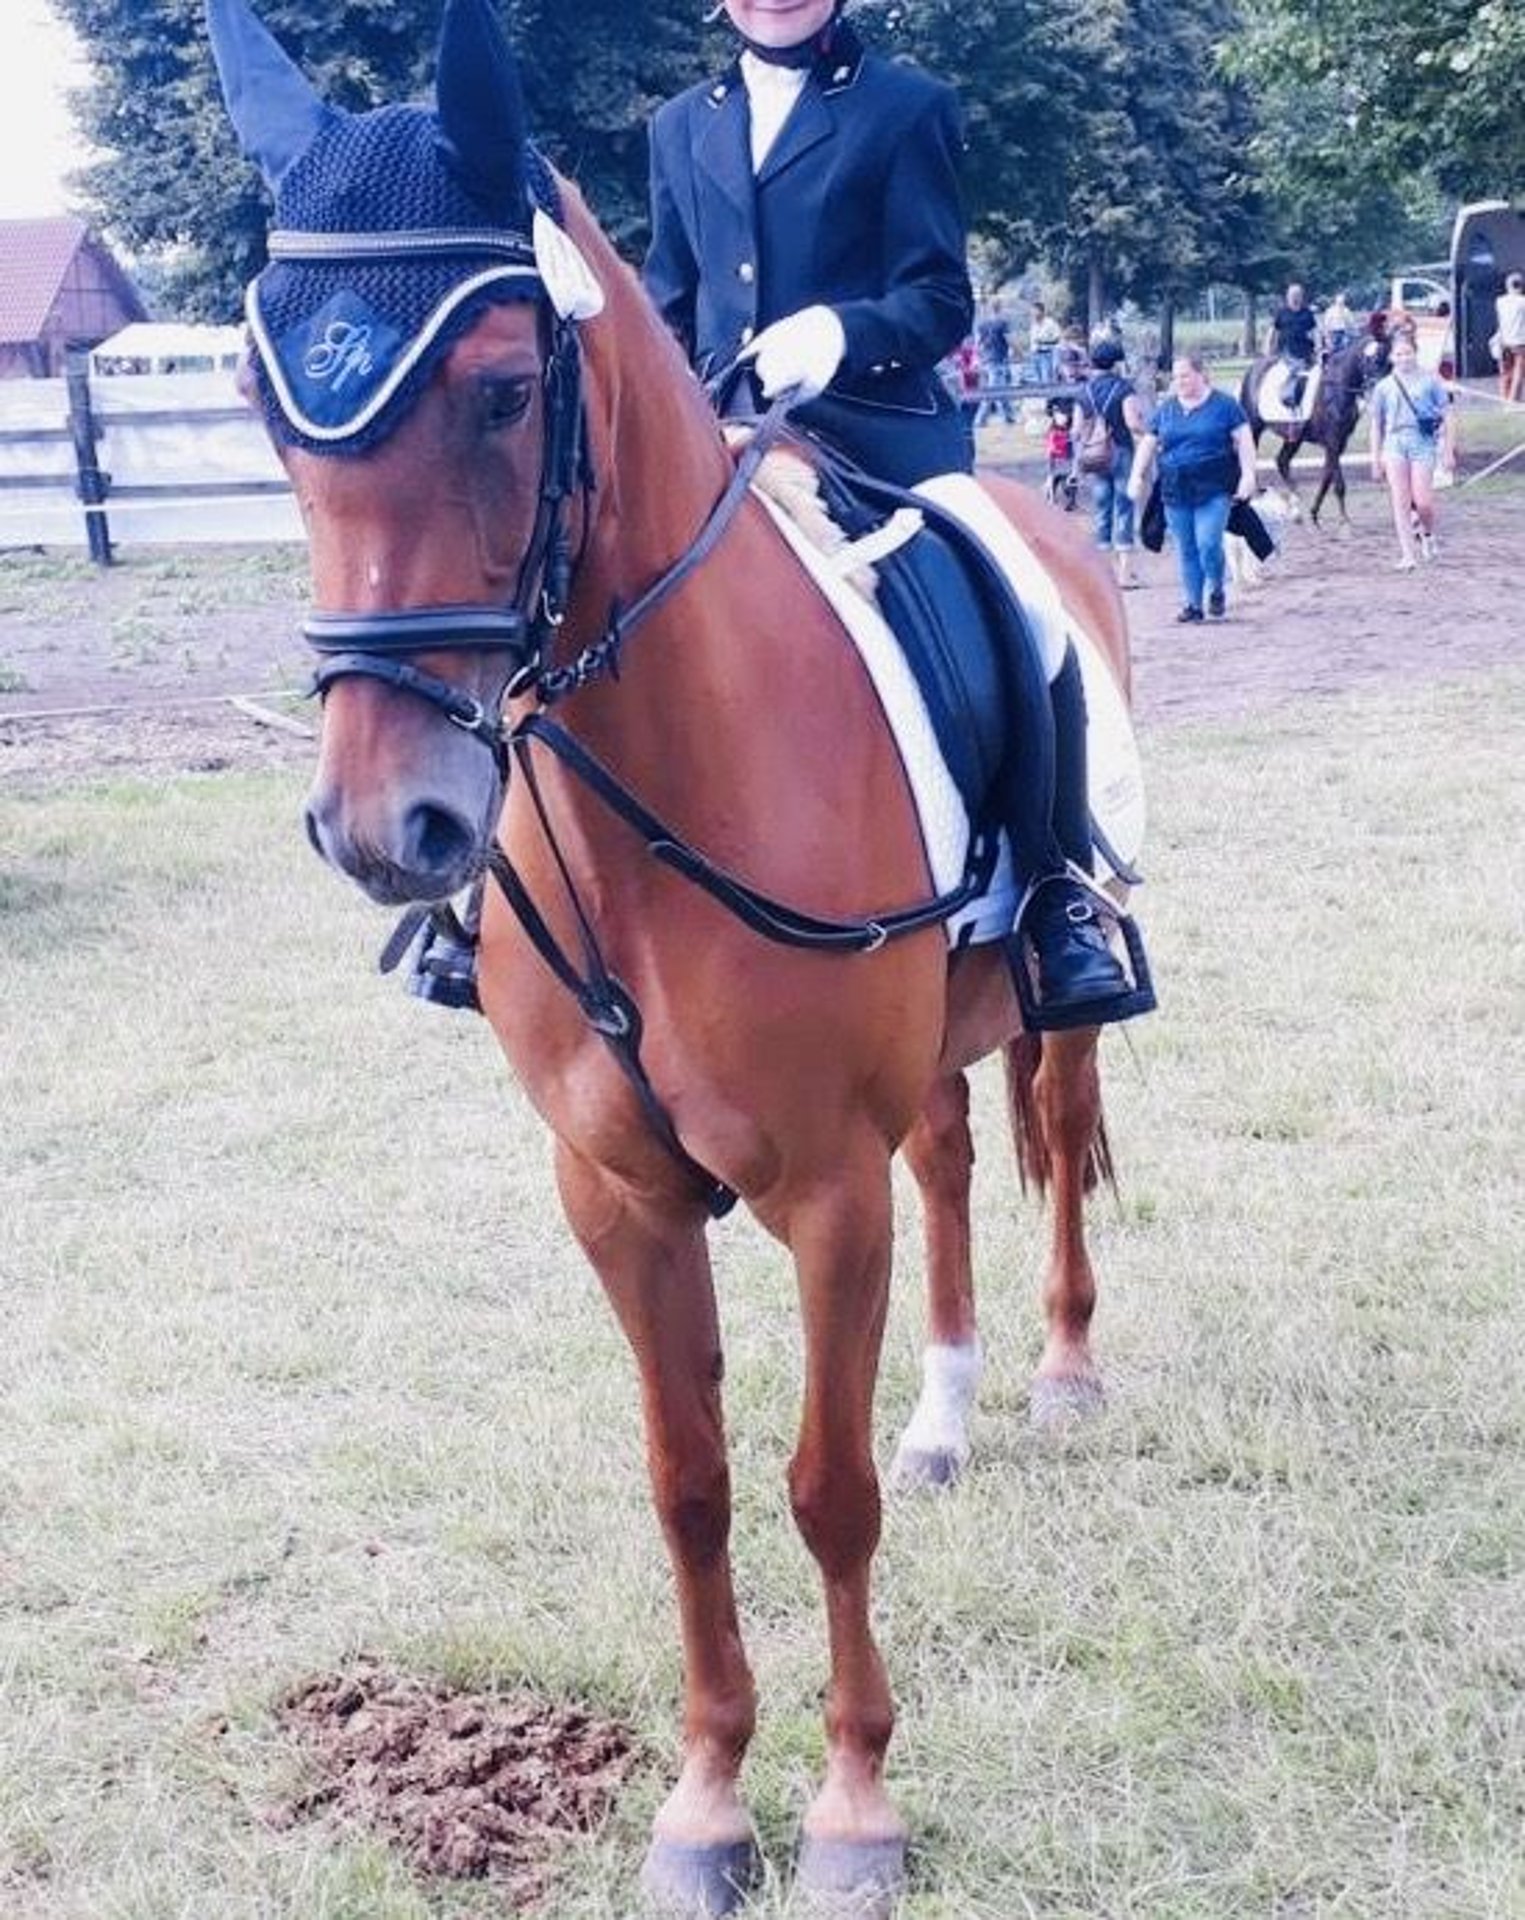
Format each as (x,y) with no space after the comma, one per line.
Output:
(1062,483)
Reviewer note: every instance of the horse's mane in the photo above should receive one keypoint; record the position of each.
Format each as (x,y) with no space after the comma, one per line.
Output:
(630,342)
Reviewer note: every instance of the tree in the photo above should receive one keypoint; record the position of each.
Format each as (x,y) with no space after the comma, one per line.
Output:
(1157,199)
(172,186)
(1376,116)
(1018,82)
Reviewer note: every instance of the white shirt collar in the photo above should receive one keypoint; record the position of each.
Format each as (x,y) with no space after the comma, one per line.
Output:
(771,94)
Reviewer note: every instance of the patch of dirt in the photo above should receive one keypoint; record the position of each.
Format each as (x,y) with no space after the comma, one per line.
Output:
(1333,615)
(131,670)
(466,1786)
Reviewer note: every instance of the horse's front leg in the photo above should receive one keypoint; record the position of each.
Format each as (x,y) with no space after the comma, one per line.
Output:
(1067,1096)
(1285,454)
(1332,476)
(653,1260)
(939,1150)
(840,1235)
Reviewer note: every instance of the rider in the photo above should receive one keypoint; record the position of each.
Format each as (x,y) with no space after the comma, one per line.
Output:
(807,223)
(1294,335)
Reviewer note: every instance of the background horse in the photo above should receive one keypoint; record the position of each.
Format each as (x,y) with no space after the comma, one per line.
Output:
(1330,423)
(554,455)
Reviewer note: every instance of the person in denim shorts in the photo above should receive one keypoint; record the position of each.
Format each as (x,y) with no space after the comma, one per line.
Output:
(1413,432)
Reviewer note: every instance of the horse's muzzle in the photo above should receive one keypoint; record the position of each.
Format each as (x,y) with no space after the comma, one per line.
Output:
(426,849)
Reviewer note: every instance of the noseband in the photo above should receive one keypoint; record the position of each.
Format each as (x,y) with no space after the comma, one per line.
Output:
(379,646)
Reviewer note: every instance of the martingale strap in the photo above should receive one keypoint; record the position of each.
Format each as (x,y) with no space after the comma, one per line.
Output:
(774,919)
(606,1003)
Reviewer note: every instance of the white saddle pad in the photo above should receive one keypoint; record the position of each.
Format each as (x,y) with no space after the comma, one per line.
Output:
(1116,775)
(1269,403)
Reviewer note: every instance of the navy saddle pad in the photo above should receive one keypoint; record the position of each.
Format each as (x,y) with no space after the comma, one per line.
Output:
(963,635)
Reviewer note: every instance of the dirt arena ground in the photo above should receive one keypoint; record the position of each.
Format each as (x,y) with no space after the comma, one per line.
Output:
(137,668)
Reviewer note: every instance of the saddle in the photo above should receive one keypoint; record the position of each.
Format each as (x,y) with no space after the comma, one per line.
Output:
(963,635)
(1288,390)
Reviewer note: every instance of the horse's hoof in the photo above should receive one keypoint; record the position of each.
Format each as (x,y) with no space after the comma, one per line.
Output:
(923,1469)
(1062,1400)
(679,1879)
(851,1879)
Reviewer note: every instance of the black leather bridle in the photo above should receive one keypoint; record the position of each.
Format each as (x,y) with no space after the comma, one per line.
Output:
(379,646)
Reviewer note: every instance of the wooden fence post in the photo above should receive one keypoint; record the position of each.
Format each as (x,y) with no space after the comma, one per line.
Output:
(92,482)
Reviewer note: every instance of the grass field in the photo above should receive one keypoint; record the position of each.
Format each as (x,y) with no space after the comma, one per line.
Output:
(298,1362)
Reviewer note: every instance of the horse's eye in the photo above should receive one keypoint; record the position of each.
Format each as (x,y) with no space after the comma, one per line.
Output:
(504,401)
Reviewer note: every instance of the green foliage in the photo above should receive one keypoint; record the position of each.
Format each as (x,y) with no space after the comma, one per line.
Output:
(1142,148)
(172,186)
(1377,119)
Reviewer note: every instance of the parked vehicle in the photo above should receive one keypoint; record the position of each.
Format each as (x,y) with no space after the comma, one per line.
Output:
(1423,293)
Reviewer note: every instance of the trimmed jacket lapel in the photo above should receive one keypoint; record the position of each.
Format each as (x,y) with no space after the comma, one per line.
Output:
(810,121)
(724,146)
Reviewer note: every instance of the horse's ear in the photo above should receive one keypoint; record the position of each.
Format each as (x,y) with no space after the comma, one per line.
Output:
(274,110)
(481,107)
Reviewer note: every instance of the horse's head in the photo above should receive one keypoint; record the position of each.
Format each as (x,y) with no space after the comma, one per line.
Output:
(415,353)
(1362,364)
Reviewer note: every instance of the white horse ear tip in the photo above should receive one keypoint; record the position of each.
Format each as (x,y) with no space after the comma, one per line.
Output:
(570,283)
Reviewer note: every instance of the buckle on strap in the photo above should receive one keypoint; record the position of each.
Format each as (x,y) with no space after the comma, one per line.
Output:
(460,708)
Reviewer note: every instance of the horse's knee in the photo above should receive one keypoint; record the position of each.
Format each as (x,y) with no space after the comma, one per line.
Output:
(695,1511)
(836,1508)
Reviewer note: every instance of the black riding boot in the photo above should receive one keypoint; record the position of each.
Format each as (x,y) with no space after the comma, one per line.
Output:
(445,963)
(1080,981)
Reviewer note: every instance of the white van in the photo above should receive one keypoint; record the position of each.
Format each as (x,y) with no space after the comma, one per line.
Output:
(1424,294)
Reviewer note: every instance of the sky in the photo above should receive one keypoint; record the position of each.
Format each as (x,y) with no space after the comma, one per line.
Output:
(38,144)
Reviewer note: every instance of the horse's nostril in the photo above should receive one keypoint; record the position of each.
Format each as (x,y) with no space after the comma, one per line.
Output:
(437,840)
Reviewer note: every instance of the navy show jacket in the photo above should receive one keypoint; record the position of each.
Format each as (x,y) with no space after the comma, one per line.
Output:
(856,206)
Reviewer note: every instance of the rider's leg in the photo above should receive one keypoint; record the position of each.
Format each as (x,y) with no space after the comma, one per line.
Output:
(1077,968)
(1042,795)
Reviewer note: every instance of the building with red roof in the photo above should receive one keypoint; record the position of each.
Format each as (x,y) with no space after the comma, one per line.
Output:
(60,290)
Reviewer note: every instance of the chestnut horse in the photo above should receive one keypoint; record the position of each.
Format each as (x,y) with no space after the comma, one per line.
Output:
(742,719)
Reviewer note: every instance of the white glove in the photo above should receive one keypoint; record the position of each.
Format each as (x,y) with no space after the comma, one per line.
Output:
(804,350)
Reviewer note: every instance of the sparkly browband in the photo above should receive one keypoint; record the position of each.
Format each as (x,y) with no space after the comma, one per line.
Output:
(284,244)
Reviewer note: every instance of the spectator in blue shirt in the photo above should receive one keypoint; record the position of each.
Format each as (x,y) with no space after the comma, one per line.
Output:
(1206,455)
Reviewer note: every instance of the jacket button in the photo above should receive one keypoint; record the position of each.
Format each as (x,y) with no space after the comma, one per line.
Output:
(746,273)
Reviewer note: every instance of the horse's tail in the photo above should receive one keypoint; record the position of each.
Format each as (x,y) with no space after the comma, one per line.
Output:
(1022,1056)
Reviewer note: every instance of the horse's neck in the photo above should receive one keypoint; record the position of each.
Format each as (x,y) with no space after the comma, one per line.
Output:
(658,468)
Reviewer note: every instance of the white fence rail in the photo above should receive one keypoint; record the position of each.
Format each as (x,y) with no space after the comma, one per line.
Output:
(177,459)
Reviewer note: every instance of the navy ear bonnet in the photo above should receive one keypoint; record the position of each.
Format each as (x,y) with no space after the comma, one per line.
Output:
(394,228)
(343,347)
